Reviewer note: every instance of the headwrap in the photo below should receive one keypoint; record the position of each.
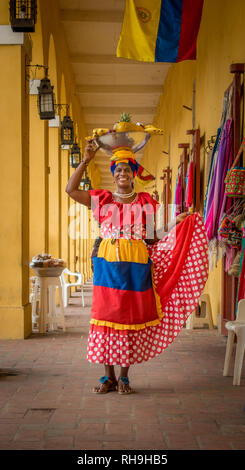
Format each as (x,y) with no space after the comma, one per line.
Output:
(125,155)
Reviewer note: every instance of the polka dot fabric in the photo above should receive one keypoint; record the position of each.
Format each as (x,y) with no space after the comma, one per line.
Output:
(124,348)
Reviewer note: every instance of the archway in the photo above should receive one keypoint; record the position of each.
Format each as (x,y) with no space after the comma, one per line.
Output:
(53,165)
(64,198)
(38,154)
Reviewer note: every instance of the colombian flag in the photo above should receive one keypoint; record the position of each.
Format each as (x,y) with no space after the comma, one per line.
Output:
(160,30)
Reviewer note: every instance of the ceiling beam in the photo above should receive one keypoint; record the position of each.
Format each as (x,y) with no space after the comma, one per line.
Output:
(107,110)
(128,89)
(90,127)
(104,59)
(92,16)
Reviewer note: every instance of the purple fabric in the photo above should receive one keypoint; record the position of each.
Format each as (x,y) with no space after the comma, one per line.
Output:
(217,195)
(211,192)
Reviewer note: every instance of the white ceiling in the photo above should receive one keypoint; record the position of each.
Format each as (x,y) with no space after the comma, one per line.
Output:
(108,85)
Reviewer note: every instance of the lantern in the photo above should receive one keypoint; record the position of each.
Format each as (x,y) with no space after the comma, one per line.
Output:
(23,15)
(85,183)
(67,131)
(75,156)
(46,99)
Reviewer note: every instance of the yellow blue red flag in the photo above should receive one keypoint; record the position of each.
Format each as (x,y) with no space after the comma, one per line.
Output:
(160,30)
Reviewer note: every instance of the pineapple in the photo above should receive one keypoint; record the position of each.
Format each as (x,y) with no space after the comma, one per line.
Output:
(124,124)
(125,117)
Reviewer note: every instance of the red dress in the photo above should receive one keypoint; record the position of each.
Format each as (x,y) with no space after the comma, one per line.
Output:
(142,294)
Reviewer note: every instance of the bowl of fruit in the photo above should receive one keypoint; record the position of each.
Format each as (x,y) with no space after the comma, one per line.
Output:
(46,266)
(125,134)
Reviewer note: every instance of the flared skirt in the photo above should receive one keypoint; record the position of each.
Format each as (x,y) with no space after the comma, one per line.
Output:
(173,275)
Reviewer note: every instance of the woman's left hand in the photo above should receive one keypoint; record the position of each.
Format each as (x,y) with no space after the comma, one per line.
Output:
(181,217)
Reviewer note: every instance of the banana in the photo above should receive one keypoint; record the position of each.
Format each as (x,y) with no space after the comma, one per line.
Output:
(99,132)
(153,130)
(127,127)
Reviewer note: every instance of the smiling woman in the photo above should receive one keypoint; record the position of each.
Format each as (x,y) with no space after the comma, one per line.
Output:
(143,290)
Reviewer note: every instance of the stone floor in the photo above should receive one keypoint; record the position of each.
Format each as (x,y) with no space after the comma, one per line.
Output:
(182,401)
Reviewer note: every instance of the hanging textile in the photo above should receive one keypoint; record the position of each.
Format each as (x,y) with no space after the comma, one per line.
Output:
(178,196)
(223,162)
(226,114)
(173,208)
(209,190)
(189,185)
(207,167)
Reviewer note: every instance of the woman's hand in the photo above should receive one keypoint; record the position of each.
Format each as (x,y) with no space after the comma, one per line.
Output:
(90,150)
(181,217)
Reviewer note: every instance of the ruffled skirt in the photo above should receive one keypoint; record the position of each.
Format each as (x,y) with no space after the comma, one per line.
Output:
(179,273)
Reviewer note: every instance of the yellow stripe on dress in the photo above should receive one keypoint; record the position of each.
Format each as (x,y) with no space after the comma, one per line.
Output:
(119,326)
(133,251)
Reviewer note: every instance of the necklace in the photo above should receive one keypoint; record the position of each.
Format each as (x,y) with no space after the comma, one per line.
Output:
(124,196)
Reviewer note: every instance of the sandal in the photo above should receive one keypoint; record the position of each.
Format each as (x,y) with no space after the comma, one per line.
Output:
(107,385)
(123,386)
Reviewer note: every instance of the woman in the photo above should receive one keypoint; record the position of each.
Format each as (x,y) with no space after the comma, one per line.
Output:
(144,289)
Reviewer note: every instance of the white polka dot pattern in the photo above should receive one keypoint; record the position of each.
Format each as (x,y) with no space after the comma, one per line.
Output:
(127,348)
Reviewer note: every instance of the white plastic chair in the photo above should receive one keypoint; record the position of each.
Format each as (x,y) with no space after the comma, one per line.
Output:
(193,320)
(66,285)
(236,327)
(34,300)
(49,315)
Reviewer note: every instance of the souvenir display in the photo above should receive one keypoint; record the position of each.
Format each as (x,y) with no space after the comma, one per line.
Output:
(235,178)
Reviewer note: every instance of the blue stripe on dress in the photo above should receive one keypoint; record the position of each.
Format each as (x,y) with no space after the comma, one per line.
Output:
(168,36)
(122,275)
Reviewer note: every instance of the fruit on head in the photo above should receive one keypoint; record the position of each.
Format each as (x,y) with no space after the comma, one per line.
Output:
(125,125)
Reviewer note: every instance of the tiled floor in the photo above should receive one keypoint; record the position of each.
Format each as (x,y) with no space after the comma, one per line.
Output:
(182,401)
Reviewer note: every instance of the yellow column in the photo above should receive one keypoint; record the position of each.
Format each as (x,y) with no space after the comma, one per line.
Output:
(90,244)
(15,309)
(80,244)
(64,205)
(87,242)
(54,234)
(72,241)
(37,180)
(83,235)
(38,155)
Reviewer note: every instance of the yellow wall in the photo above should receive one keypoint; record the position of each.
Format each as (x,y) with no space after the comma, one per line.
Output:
(14,205)
(220,42)
(34,206)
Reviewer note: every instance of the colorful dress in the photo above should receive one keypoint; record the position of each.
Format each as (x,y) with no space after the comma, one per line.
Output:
(142,294)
